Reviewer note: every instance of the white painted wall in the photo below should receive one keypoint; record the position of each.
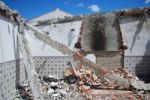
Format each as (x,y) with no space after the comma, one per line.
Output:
(8,40)
(39,48)
(58,32)
(9,47)
(136,36)
(61,32)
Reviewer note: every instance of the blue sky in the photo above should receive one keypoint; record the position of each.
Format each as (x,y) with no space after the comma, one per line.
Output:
(32,8)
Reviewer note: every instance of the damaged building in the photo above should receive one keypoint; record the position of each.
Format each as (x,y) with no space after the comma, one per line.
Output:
(119,38)
(60,56)
(105,35)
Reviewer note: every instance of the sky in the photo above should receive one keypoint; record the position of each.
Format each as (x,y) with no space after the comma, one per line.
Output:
(33,8)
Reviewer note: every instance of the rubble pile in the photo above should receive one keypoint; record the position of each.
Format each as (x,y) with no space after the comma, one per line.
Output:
(23,92)
(89,84)
(83,83)
(87,78)
(121,72)
(74,83)
(79,81)
(55,88)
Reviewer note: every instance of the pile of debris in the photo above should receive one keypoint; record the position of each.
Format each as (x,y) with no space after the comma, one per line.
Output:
(91,86)
(77,81)
(87,79)
(121,72)
(83,83)
(23,92)
(56,88)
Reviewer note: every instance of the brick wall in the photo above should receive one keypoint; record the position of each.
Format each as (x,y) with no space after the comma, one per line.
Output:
(109,59)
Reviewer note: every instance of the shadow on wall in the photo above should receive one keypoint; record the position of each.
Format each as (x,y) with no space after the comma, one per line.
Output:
(142,70)
(138,30)
(16,52)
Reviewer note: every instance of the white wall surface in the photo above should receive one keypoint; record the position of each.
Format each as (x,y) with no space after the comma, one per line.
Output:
(9,47)
(8,40)
(39,48)
(60,33)
(136,36)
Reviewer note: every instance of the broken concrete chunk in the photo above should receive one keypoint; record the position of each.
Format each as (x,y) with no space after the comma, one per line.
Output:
(139,84)
(50,91)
